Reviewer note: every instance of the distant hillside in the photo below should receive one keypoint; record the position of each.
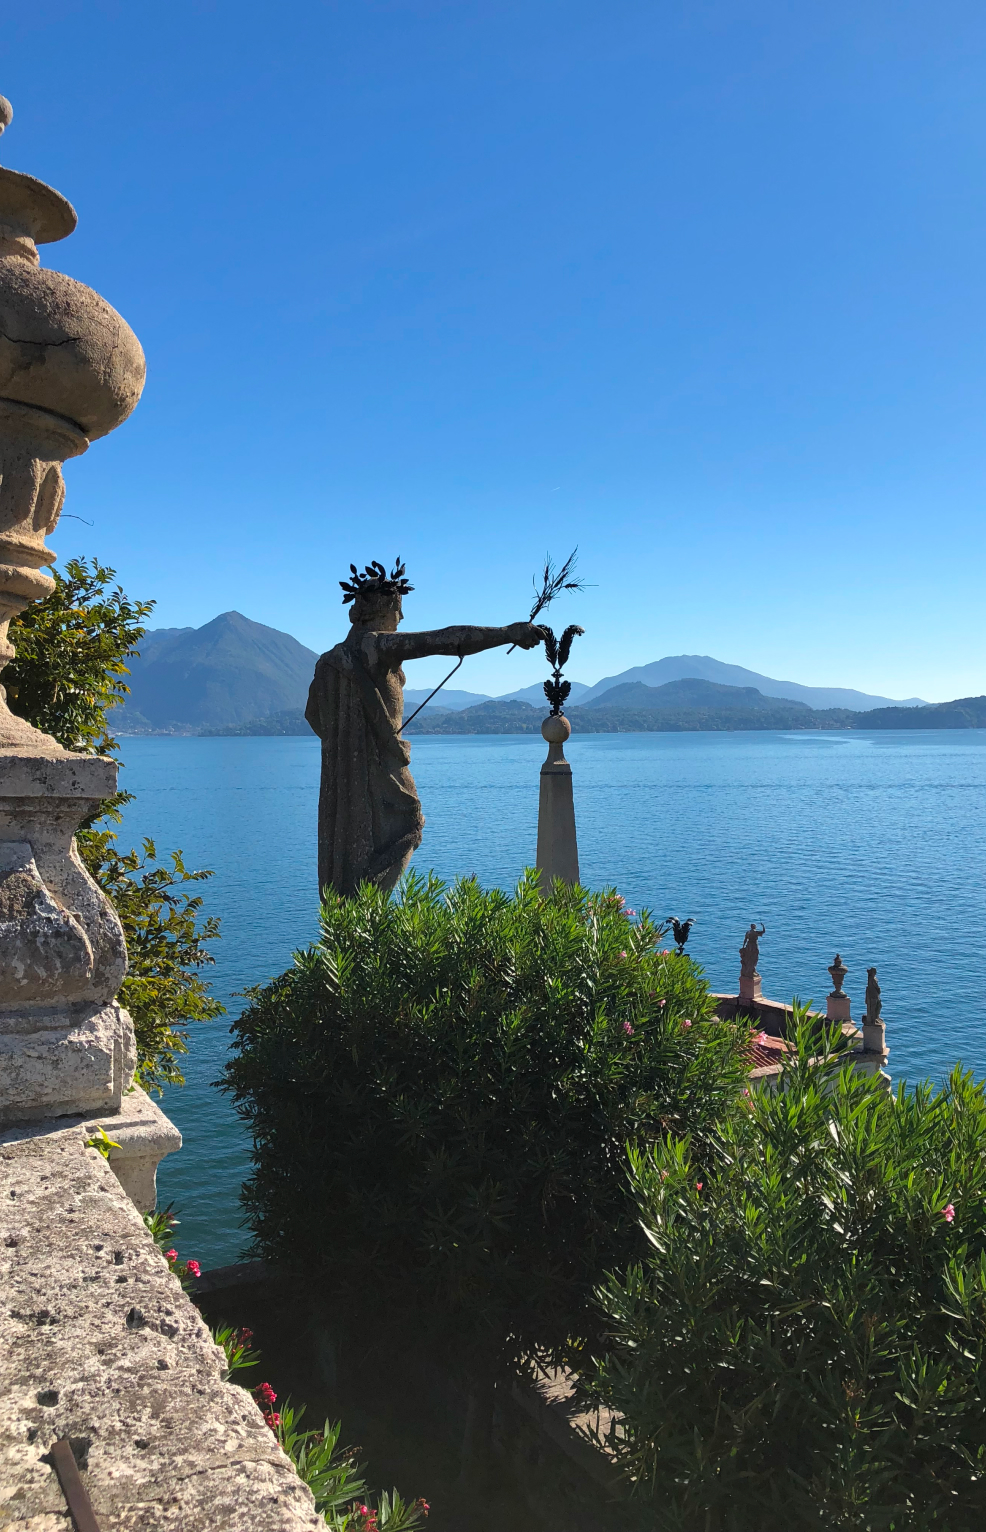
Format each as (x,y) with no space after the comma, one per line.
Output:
(963,713)
(691,693)
(535,694)
(488,718)
(746,709)
(681,667)
(230,671)
(447,700)
(732,719)
(663,717)
(290,721)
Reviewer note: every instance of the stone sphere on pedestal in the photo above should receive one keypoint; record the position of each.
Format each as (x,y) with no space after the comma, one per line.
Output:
(556,729)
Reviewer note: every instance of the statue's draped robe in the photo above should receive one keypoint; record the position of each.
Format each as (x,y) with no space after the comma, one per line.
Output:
(369,813)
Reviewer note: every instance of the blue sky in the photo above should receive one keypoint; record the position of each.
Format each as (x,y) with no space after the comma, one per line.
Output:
(698,286)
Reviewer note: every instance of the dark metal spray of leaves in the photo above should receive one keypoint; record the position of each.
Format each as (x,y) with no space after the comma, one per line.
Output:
(557,650)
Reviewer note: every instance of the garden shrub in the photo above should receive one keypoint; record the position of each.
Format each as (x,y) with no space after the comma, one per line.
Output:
(803,1346)
(66,677)
(441,1092)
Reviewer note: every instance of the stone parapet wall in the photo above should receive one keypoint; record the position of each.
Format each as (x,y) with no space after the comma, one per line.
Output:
(99,1344)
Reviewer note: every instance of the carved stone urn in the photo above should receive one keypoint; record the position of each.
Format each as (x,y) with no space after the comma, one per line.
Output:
(837,1005)
(70,371)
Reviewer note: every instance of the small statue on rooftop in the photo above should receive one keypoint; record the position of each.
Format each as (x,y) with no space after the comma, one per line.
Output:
(369,813)
(750,950)
(874,1004)
(749,984)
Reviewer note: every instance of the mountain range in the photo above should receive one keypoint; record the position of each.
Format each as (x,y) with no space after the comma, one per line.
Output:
(233,671)
(228,672)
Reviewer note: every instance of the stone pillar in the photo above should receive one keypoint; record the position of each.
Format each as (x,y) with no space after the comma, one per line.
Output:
(837,1006)
(71,370)
(558,850)
(749,987)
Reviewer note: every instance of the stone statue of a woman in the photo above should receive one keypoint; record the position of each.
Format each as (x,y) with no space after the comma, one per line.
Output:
(750,951)
(369,813)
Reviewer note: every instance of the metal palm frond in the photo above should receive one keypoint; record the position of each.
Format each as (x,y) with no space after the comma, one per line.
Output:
(557,651)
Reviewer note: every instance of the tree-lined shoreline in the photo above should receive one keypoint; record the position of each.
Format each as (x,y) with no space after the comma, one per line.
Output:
(520,718)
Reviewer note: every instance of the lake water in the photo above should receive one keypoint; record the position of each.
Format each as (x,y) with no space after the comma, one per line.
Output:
(870,844)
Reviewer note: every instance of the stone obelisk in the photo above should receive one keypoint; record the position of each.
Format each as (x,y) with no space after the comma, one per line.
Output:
(71,370)
(558,849)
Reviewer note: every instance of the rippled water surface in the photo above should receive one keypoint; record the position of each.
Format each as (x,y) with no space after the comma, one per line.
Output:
(872,844)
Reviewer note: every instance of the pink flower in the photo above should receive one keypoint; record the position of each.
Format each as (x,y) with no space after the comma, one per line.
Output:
(686,1022)
(194,1268)
(662,1002)
(746,1090)
(171,1255)
(948,1213)
(761,1037)
(622,954)
(266,1393)
(664,1175)
(423,1506)
(665,951)
(698,1186)
(628,1029)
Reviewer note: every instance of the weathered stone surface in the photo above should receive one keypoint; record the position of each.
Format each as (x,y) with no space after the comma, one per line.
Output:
(75,1060)
(46,825)
(143,1136)
(40,943)
(98,1343)
(64,349)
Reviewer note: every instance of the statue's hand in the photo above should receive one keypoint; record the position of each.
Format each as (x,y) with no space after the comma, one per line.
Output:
(525,635)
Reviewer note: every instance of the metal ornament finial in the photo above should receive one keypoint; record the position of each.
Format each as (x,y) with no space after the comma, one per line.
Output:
(681,930)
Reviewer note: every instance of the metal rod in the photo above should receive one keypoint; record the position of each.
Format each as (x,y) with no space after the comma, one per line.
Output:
(76,1497)
(438,688)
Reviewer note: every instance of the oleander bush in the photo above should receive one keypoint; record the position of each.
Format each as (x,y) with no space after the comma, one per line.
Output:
(804,1344)
(441,1092)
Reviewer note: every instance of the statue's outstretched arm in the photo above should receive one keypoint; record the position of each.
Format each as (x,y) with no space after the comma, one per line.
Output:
(394,648)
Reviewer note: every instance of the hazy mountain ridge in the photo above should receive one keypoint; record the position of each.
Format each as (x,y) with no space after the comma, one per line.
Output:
(680,667)
(234,672)
(690,692)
